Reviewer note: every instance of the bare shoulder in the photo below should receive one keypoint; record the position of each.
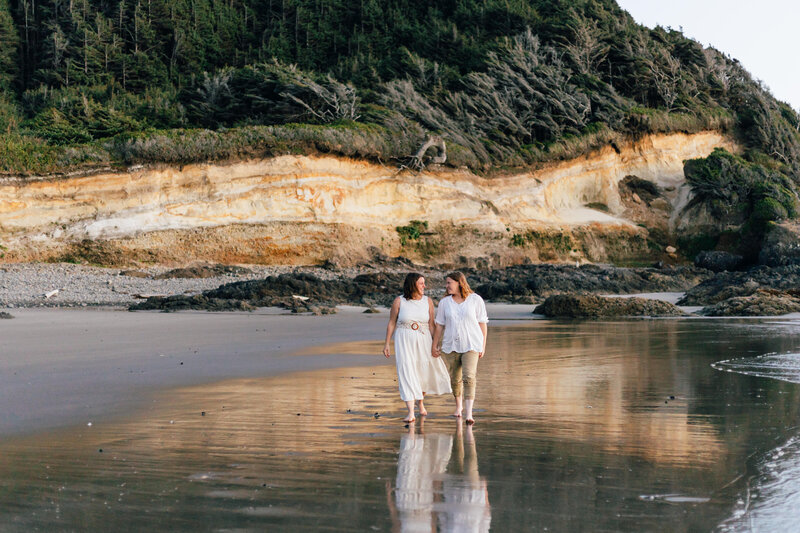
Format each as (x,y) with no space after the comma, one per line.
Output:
(396,302)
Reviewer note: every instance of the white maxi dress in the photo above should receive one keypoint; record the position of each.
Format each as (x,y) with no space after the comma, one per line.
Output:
(417,370)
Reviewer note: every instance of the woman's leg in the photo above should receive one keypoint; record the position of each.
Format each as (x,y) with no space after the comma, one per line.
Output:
(453,362)
(422,410)
(469,364)
(410,416)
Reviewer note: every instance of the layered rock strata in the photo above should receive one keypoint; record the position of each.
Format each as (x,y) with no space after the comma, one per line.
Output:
(300,209)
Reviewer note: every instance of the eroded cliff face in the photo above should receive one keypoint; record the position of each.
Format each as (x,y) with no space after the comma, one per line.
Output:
(298,209)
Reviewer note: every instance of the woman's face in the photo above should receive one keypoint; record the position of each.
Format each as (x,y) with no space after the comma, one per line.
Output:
(451,286)
(420,285)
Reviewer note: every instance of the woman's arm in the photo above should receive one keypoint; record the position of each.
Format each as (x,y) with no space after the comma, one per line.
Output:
(431,322)
(438,329)
(437,336)
(485,331)
(483,320)
(391,325)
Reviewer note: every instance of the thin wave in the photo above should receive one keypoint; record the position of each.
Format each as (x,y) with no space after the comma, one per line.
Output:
(771,499)
(783,367)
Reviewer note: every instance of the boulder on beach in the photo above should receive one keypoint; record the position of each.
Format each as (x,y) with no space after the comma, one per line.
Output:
(781,245)
(763,302)
(593,306)
(718,261)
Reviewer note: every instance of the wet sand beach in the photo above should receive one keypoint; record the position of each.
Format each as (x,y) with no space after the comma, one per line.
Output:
(60,367)
(64,367)
(581,426)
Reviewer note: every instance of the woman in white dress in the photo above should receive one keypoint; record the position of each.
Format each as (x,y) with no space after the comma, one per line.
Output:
(411,322)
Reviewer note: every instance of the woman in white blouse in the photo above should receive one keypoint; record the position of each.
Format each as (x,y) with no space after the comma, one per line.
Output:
(462,318)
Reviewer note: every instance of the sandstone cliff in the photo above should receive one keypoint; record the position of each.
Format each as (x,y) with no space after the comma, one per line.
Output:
(297,209)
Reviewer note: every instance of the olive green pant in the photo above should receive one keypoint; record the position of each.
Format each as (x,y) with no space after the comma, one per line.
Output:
(463,368)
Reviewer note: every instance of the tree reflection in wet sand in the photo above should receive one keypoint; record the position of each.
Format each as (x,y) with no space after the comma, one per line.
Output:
(582,426)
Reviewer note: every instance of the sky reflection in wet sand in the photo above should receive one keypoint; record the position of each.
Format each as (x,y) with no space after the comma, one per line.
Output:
(582,426)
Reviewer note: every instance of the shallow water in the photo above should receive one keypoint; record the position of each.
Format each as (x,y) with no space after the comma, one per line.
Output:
(581,426)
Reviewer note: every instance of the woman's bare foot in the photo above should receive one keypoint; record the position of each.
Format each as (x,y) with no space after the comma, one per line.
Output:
(422,410)
(410,418)
(459,407)
(468,415)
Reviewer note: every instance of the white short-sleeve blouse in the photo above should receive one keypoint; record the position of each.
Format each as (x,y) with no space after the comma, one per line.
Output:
(462,332)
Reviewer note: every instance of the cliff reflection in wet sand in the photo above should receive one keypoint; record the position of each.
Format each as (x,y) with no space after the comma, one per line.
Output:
(620,426)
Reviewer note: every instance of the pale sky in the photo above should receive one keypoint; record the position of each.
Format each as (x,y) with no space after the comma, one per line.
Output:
(763,35)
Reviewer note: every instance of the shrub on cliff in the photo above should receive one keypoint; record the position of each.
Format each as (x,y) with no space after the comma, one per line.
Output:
(743,194)
(729,183)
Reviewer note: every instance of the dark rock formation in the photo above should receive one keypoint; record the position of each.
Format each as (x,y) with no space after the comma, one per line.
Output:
(519,284)
(726,285)
(647,191)
(781,246)
(593,306)
(761,303)
(526,283)
(202,271)
(718,261)
(298,292)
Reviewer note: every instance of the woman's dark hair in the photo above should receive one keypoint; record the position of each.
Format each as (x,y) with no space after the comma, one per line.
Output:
(410,285)
(463,286)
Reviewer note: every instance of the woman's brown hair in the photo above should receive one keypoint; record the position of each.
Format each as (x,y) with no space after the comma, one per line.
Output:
(410,285)
(463,286)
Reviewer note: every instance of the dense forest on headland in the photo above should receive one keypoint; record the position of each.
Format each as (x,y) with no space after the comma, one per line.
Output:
(505,83)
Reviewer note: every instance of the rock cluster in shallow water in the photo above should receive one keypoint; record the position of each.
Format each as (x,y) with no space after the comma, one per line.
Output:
(593,306)
(763,302)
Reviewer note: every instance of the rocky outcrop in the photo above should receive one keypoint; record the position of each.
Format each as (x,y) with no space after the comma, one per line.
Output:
(593,306)
(718,261)
(781,245)
(299,292)
(300,209)
(529,283)
(202,271)
(725,285)
(762,302)
(520,284)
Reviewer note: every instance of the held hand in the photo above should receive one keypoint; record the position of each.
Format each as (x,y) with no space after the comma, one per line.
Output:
(435,352)
(480,354)
(386,351)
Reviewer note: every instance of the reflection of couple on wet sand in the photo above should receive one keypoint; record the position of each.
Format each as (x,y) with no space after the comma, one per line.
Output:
(438,482)
(459,323)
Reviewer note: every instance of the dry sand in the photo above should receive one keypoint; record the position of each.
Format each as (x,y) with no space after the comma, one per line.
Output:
(61,367)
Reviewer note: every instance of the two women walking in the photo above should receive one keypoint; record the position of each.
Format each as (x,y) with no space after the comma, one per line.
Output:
(460,325)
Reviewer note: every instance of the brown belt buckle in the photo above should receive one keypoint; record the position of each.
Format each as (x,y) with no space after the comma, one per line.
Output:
(414,326)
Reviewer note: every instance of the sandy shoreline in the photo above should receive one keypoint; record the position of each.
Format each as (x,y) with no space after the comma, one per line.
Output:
(61,367)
